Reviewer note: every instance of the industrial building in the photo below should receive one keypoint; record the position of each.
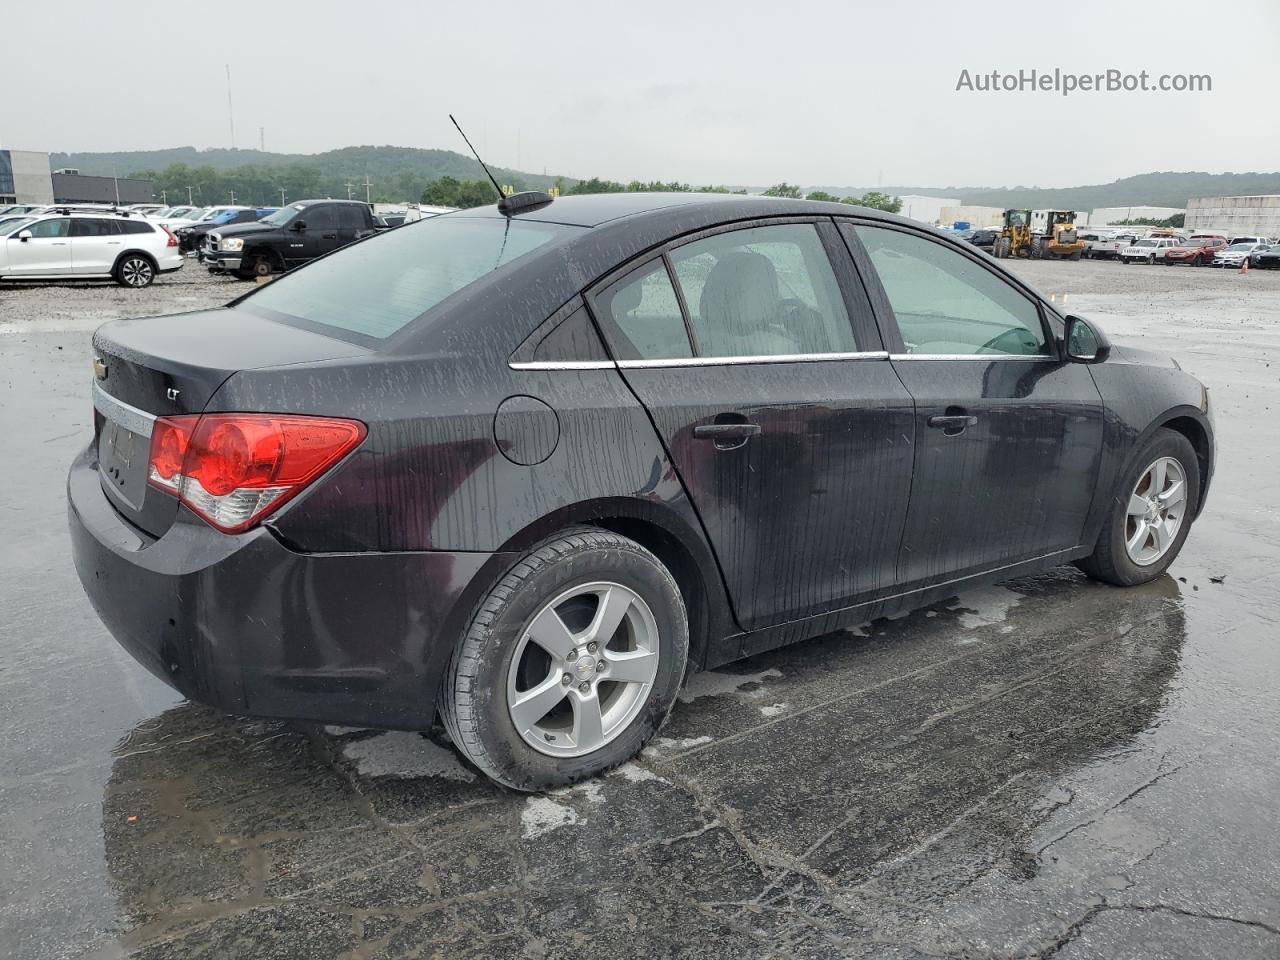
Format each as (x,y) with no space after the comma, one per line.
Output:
(1102,216)
(1236,216)
(25,178)
(926,209)
(975,217)
(77,188)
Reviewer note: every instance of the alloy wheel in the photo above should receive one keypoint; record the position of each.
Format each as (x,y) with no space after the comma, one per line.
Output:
(583,669)
(1155,512)
(136,272)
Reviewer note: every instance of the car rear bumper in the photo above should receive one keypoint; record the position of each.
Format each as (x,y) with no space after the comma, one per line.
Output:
(245,624)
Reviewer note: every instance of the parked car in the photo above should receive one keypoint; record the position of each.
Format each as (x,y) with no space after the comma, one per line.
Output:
(191,236)
(1197,251)
(70,245)
(1235,254)
(1148,250)
(1262,241)
(288,238)
(525,463)
(982,238)
(15,209)
(1097,244)
(1265,259)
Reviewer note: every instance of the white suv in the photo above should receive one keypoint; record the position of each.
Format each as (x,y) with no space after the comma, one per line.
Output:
(65,245)
(1148,249)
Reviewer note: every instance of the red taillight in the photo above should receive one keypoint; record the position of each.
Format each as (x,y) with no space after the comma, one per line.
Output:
(173,240)
(234,468)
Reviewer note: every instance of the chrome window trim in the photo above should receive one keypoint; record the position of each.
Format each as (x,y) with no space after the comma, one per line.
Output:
(117,411)
(768,358)
(971,356)
(694,361)
(562,365)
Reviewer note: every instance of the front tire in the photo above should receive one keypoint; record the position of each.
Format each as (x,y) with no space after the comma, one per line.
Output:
(1150,514)
(571,663)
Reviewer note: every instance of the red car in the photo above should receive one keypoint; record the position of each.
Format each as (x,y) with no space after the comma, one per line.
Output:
(1198,251)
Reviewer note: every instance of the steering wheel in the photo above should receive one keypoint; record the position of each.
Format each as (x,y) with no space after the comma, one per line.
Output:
(1015,340)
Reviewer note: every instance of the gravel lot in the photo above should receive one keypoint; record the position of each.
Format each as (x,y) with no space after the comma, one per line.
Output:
(1050,767)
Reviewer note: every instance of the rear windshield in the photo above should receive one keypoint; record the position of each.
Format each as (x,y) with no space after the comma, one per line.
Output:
(376,287)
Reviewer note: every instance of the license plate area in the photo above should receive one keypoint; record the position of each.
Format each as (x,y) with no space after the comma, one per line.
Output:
(122,462)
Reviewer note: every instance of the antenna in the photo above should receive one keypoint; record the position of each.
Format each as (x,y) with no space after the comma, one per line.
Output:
(478,160)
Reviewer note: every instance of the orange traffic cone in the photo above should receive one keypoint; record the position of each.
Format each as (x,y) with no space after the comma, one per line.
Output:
(1244,265)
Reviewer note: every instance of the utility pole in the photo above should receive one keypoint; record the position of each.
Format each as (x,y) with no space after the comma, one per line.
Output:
(282,196)
(262,139)
(164,197)
(233,198)
(367,186)
(189,200)
(231,116)
(116,181)
(349,185)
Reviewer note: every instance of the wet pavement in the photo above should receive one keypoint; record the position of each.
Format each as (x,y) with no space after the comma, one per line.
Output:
(1050,767)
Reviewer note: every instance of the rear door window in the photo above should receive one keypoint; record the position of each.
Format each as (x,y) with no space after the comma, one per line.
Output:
(763,291)
(86,227)
(349,218)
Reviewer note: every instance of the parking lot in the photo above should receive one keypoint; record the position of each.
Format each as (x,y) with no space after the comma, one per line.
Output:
(1050,767)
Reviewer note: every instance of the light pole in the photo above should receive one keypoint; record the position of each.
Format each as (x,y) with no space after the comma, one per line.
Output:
(190,203)
(282,196)
(367,185)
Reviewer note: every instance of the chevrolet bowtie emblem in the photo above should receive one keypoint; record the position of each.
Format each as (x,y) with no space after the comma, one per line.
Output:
(99,368)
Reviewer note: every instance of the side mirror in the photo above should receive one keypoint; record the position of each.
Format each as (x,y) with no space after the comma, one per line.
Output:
(24,235)
(298,226)
(1083,343)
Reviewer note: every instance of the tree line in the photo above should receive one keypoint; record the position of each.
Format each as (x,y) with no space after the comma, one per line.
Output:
(271,185)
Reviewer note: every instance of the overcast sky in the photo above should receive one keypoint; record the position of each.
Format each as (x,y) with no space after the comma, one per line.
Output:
(833,92)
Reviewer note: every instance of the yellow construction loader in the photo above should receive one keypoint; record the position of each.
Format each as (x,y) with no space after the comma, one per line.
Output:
(1039,234)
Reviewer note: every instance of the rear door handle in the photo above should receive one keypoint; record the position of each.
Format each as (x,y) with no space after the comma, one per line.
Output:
(727,436)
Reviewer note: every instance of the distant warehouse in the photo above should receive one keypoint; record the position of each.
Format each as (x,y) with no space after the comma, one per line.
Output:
(77,188)
(1238,216)
(25,178)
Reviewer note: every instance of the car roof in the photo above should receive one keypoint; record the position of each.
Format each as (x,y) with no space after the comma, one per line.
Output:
(593,210)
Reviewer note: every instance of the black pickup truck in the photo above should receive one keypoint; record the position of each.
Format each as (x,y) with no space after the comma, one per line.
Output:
(288,238)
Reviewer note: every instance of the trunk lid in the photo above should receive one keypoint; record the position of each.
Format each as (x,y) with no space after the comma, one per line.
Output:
(170,366)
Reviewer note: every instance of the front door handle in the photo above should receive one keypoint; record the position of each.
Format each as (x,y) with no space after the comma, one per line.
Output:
(328,236)
(953,424)
(727,436)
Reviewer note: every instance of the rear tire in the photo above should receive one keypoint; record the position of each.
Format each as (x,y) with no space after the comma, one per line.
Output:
(506,655)
(135,270)
(1113,560)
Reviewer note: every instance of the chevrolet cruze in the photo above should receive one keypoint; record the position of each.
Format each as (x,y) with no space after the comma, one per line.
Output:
(523,466)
